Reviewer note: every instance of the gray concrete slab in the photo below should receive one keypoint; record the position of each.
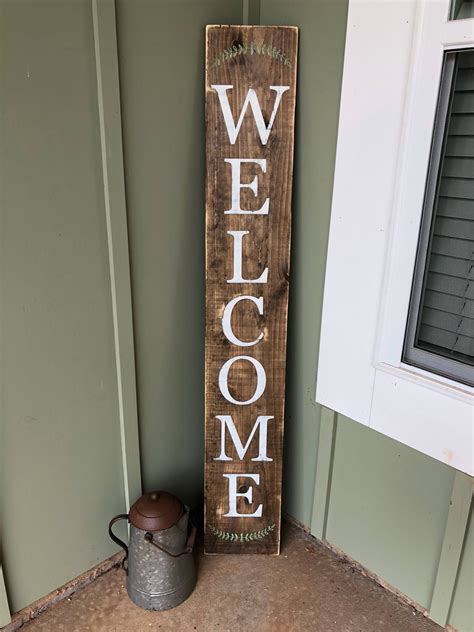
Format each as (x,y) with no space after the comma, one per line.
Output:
(306,588)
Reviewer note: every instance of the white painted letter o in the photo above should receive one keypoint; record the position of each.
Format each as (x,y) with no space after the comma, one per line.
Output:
(261,380)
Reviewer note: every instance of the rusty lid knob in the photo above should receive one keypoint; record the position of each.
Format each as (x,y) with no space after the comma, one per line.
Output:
(156,511)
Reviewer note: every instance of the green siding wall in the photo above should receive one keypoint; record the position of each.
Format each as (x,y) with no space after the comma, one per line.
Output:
(60,462)
(388,508)
(59,431)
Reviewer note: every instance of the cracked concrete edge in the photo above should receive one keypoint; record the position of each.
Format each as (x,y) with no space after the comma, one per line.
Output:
(360,568)
(405,599)
(44,603)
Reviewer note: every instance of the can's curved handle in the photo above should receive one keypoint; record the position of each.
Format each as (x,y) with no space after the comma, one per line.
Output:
(117,540)
(191,539)
(188,548)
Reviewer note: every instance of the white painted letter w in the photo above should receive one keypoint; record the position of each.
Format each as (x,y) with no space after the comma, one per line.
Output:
(233,129)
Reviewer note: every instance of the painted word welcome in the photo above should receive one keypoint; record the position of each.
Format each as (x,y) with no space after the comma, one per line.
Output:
(249,141)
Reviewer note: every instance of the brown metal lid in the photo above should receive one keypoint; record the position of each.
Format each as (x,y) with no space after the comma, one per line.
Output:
(156,511)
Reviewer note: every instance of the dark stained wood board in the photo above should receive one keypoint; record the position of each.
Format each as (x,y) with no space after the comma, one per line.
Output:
(252,66)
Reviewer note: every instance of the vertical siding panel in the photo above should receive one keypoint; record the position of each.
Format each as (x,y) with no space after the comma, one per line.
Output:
(461,616)
(454,536)
(324,469)
(105,39)
(60,454)
(4,608)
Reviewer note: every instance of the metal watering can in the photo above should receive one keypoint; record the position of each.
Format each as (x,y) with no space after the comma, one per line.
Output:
(158,559)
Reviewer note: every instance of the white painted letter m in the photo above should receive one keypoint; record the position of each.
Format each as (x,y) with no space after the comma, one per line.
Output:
(261,424)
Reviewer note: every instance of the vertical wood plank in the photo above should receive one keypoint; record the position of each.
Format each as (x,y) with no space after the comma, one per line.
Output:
(324,468)
(246,60)
(105,39)
(451,551)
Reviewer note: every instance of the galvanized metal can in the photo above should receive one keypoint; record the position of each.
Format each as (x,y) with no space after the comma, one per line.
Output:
(159,563)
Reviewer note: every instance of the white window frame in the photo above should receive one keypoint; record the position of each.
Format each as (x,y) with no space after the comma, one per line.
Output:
(422,356)
(392,72)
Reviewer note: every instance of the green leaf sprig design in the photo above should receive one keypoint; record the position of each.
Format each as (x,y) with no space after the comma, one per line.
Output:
(252,48)
(250,536)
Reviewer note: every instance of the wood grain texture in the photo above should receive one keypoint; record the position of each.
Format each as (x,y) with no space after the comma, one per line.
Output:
(266,56)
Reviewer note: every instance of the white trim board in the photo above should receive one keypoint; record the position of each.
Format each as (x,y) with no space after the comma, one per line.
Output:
(392,69)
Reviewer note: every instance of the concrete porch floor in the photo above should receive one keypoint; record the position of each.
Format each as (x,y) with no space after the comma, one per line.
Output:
(306,588)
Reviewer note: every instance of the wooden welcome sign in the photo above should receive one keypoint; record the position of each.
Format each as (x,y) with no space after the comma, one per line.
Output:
(250,107)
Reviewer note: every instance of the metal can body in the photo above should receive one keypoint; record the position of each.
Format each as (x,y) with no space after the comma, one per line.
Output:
(156,580)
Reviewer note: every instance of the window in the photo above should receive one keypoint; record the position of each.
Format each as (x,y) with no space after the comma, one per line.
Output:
(440,331)
(461,9)
(389,218)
